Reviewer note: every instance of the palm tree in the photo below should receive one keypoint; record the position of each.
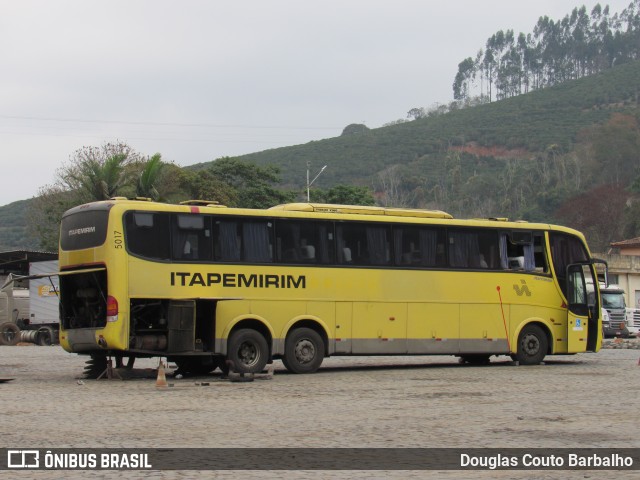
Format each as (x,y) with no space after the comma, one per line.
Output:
(148,178)
(100,180)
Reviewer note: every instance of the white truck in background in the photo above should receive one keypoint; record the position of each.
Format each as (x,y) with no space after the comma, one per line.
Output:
(623,321)
(29,306)
(633,321)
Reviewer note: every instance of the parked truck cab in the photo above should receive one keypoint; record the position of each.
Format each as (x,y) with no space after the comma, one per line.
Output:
(613,301)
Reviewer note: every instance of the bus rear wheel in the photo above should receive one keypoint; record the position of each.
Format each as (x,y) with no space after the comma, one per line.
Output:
(303,351)
(532,345)
(248,351)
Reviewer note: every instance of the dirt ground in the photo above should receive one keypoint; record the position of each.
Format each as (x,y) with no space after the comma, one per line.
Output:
(587,400)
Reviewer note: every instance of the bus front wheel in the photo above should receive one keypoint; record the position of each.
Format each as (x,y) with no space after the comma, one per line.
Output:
(303,351)
(532,345)
(248,351)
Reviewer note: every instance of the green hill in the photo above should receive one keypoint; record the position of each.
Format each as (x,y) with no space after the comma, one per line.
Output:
(13,227)
(533,122)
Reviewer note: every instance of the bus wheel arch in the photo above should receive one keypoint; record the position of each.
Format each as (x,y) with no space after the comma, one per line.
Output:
(249,346)
(306,345)
(533,344)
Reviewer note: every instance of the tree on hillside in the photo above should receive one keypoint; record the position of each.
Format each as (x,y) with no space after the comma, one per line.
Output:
(355,129)
(92,173)
(598,214)
(391,184)
(462,82)
(236,184)
(343,195)
(556,51)
(44,213)
(614,150)
(204,185)
(167,183)
(416,113)
(97,173)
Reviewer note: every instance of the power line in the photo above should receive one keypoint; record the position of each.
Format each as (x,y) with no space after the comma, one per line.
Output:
(160,139)
(164,124)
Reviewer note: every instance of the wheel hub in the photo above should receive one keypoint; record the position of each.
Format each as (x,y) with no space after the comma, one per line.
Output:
(305,351)
(248,354)
(530,344)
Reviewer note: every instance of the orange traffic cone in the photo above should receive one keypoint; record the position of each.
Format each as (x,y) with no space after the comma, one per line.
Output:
(161,381)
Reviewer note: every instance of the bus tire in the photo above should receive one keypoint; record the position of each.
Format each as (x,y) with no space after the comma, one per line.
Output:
(532,345)
(303,351)
(248,351)
(9,333)
(197,365)
(476,359)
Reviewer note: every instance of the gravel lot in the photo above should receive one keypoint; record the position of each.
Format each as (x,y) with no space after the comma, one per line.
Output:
(587,400)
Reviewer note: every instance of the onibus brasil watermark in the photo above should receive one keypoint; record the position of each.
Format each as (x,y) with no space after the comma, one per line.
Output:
(320,459)
(34,459)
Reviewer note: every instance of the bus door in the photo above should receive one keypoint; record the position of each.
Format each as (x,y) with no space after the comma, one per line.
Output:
(582,321)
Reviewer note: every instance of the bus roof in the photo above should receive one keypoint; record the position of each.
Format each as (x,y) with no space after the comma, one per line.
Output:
(322,209)
(360,210)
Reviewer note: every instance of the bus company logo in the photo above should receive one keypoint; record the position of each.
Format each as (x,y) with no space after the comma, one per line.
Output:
(239,280)
(522,290)
(82,231)
(23,459)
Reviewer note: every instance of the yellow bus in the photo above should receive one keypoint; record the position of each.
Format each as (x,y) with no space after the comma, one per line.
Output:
(205,285)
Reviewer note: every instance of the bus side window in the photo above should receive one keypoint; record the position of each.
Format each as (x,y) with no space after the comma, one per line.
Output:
(363,244)
(518,251)
(256,241)
(147,234)
(419,246)
(303,242)
(227,241)
(191,237)
(471,248)
(539,256)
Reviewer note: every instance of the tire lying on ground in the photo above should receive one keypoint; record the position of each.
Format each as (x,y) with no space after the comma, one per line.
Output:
(46,336)
(9,333)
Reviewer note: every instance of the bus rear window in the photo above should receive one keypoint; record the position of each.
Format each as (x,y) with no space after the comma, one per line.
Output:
(83,229)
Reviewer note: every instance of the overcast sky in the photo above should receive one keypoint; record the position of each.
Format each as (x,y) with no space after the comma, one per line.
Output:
(198,80)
